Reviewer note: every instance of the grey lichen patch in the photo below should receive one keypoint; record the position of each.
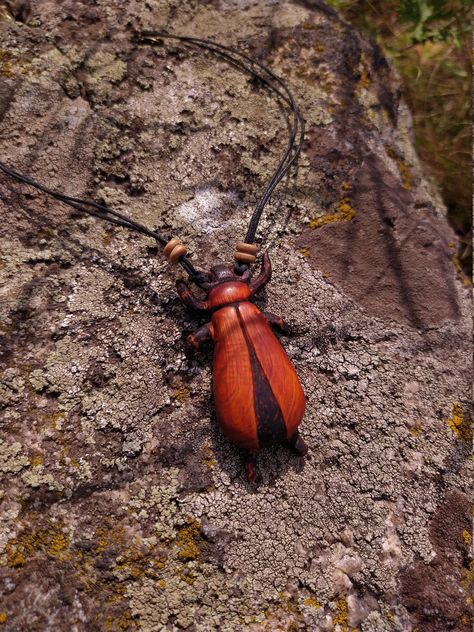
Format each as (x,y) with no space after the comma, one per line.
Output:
(204,596)
(11,458)
(105,69)
(160,501)
(211,211)
(37,477)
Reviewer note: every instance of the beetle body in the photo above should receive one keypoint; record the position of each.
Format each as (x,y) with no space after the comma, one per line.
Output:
(258,396)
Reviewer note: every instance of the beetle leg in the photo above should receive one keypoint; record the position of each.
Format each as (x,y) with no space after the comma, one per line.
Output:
(276,321)
(298,444)
(188,297)
(250,465)
(201,335)
(264,276)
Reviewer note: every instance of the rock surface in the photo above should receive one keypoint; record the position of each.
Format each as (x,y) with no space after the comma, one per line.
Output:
(122,505)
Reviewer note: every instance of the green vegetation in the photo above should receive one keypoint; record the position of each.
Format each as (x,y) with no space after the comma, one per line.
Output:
(429,42)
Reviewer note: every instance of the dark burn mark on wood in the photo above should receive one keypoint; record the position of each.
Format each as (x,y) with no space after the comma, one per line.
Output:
(271,426)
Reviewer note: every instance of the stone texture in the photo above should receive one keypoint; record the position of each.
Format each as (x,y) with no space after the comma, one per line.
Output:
(122,505)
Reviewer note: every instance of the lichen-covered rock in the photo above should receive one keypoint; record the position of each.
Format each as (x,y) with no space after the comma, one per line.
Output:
(122,505)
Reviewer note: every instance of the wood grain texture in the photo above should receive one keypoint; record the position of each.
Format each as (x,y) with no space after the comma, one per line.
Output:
(226,293)
(276,366)
(257,393)
(233,384)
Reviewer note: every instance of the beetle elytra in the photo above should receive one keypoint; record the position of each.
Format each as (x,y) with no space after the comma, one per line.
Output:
(258,396)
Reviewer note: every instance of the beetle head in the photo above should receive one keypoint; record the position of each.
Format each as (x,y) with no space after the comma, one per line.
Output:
(223,286)
(220,273)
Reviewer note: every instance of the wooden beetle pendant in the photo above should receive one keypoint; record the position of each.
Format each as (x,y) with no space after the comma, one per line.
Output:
(258,397)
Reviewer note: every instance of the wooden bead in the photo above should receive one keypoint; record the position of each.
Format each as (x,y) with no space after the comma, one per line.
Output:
(178,252)
(244,257)
(170,245)
(174,249)
(251,249)
(245,253)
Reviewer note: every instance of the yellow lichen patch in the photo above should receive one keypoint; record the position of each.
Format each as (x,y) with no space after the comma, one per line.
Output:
(208,459)
(189,577)
(181,394)
(51,541)
(459,424)
(123,622)
(467,537)
(406,175)
(364,80)
(126,622)
(109,535)
(466,581)
(466,281)
(305,252)
(390,616)
(341,618)
(37,460)
(6,67)
(288,603)
(108,236)
(134,564)
(3,617)
(345,212)
(312,602)
(209,462)
(54,419)
(345,209)
(133,560)
(186,541)
(416,429)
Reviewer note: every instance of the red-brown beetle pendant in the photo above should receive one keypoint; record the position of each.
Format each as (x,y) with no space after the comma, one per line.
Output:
(258,397)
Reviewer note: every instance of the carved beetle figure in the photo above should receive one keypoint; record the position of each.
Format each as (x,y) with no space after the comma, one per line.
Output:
(258,397)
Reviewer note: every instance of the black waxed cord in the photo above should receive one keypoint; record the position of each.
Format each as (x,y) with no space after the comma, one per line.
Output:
(287,160)
(101,211)
(290,156)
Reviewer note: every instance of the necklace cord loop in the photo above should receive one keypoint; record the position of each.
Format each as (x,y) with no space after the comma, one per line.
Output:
(177,254)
